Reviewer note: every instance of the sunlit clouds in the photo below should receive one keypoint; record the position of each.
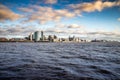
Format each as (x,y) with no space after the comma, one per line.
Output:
(45,14)
(67,18)
(94,6)
(50,1)
(7,14)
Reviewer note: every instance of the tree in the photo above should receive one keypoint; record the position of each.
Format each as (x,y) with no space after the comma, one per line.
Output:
(55,37)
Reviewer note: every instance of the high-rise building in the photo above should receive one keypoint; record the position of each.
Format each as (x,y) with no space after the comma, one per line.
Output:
(37,36)
(31,37)
(42,36)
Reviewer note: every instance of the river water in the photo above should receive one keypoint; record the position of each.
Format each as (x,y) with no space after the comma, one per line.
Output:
(60,61)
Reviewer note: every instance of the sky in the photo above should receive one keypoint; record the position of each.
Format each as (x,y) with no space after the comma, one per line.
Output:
(88,19)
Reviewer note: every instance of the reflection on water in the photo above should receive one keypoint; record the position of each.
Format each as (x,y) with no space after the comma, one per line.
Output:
(59,61)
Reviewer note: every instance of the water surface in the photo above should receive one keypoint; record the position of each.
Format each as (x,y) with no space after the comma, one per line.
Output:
(59,61)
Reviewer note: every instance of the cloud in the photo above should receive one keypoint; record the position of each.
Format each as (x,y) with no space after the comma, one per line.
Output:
(74,26)
(77,30)
(66,29)
(57,30)
(104,35)
(50,1)
(60,25)
(7,14)
(45,14)
(26,9)
(17,30)
(98,5)
(2,30)
(118,19)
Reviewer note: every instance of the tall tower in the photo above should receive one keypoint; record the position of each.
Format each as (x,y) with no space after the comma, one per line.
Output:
(31,36)
(37,36)
(42,36)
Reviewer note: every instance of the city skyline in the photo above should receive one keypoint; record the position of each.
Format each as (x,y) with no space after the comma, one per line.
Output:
(39,36)
(90,19)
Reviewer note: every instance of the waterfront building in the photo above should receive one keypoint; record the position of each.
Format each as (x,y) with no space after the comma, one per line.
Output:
(31,37)
(37,36)
(42,36)
(3,39)
(17,39)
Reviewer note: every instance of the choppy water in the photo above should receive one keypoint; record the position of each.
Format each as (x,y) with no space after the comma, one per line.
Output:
(59,61)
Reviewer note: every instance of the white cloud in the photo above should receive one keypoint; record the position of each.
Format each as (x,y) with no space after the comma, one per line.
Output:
(98,5)
(74,26)
(26,9)
(118,19)
(73,29)
(50,1)
(68,29)
(17,30)
(45,14)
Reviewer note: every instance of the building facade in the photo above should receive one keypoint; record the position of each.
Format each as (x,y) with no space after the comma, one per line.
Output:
(37,36)
(42,36)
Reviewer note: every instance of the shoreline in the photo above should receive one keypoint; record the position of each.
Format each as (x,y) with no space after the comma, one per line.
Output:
(53,42)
